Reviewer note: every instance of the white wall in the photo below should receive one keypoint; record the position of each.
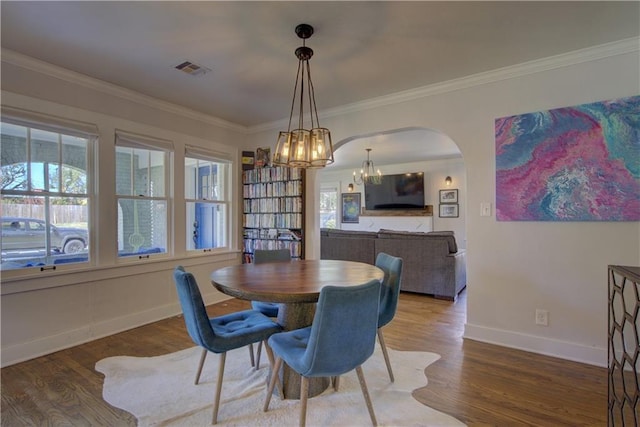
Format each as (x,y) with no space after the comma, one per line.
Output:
(515,267)
(435,171)
(52,310)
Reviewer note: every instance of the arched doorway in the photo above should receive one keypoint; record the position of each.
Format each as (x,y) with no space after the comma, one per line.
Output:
(397,151)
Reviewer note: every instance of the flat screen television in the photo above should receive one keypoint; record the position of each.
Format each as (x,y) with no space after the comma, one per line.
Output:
(401,191)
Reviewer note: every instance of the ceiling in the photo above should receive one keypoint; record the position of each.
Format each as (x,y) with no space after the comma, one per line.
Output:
(362,50)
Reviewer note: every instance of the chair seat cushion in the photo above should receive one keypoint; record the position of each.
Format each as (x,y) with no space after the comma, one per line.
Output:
(291,347)
(241,328)
(269,309)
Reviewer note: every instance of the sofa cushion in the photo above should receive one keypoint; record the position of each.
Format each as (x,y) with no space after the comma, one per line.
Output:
(348,247)
(388,234)
(447,236)
(440,233)
(352,234)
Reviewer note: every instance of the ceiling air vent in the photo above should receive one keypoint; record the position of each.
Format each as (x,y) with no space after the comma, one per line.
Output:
(192,69)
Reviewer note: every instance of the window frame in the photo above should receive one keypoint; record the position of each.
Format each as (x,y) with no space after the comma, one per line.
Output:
(62,127)
(125,139)
(331,187)
(192,152)
(105,265)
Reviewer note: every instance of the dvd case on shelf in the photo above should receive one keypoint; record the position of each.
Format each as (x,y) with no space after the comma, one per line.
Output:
(273,210)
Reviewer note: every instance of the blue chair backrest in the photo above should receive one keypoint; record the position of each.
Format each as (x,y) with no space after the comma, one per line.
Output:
(390,289)
(266,255)
(195,313)
(343,333)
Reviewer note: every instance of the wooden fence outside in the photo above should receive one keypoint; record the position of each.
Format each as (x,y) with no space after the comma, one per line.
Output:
(60,214)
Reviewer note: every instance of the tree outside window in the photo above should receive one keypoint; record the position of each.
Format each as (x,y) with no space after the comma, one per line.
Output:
(46,192)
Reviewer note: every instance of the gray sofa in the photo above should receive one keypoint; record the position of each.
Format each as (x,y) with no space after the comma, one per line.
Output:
(432,262)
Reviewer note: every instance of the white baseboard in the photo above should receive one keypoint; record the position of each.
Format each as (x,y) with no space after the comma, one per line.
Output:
(550,347)
(21,352)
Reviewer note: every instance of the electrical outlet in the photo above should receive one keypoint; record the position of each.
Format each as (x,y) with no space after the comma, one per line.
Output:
(542,317)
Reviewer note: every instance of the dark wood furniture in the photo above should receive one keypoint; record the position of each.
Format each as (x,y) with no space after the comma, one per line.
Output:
(297,286)
(624,351)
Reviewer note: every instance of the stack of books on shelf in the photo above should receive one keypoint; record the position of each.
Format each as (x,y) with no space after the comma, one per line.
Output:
(271,174)
(276,204)
(272,189)
(294,246)
(273,220)
(272,234)
(273,210)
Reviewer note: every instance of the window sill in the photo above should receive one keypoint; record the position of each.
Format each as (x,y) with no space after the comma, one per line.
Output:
(38,280)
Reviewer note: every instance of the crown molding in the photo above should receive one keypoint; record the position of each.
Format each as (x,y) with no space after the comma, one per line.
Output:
(531,67)
(526,68)
(29,63)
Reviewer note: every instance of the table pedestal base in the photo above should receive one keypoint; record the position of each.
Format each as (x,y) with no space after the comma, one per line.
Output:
(294,316)
(291,380)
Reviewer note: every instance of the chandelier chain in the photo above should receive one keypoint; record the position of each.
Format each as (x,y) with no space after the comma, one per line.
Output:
(293,101)
(301,147)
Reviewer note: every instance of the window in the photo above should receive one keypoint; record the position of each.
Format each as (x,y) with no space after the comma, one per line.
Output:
(46,192)
(142,178)
(207,200)
(328,207)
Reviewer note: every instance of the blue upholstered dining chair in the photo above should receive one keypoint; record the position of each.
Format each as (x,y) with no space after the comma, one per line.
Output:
(341,338)
(389,294)
(267,308)
(218,334)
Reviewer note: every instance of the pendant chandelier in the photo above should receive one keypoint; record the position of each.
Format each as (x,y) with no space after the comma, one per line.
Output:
(368,173)
(301,147)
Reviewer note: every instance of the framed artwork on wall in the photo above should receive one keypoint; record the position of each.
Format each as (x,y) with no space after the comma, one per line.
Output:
(248,160)
(263,157)
(351,208)
(449,196)
(449,210)
(576,163)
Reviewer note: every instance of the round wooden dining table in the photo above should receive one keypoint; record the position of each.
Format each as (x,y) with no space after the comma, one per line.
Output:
(296,285)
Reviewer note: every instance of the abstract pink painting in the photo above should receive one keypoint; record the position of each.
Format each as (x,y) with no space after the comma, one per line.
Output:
(578,163)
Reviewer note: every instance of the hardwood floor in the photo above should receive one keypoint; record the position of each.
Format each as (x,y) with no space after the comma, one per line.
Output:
(479,384)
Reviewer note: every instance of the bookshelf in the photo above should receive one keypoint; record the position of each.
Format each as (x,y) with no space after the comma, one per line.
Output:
(273,210)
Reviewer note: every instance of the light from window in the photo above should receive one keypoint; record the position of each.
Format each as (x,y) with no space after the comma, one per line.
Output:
(328,207)
(207,203)
(45,197)
(142,201)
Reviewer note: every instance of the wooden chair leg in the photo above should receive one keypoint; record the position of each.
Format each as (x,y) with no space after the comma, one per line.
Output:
(365,392)
(272,383)
(273,370)
(253,362)
(304,395)
(336,382)
(202,357)
(216,403)
(258,355)
(385,354)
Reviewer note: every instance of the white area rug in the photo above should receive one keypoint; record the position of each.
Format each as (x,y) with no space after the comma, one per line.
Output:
(159,391)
